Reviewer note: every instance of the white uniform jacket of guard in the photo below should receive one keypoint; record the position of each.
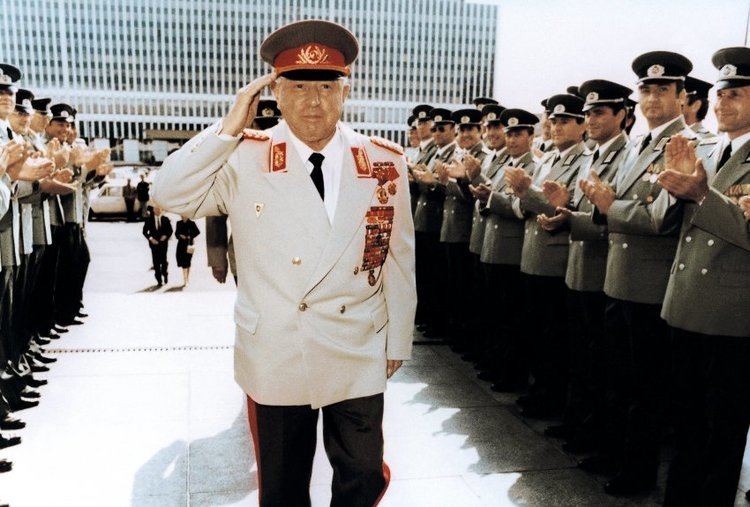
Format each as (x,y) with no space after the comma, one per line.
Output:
(310,327)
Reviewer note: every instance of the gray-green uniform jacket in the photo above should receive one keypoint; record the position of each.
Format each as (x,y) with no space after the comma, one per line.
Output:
(544,253)
(709,282)
(701,131)
(503,230)
(643,223)
(10,228)
(587,256)
(428,216)
(458,207)
(40,202)
(478,220)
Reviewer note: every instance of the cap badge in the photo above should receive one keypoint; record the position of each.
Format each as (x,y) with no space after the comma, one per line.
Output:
(481,106)
(465,119)
(728,70)
(655,70)
(267,112)
(560,108)
(512,122)
(64,114)
(592,97)
(26,103)
(4,79)
(491,116)
(438,117)
(312,54)
(422,114)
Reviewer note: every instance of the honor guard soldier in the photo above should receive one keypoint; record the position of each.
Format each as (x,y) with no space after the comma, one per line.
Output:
(543,143)
(481,310)
(428,219)
(506,361)
(455,230)
(707,298)
(544,257)
(424,124)
(481,102)
(643,223)
(583,419)
(326,263)
(696,107)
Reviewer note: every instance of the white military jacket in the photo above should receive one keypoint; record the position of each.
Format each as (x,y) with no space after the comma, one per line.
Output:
(320,306)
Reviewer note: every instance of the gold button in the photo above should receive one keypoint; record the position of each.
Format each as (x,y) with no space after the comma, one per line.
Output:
(356,269)
(688,239)
(704,271)
(649,199)
(296,261)
(635,196)
(681,266)
(342,309)
(302,306)
(710,242)
(624,245)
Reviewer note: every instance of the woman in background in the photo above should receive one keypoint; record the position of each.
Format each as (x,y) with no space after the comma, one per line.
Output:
(186,233)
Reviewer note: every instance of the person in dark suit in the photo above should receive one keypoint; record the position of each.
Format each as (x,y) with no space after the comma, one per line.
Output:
(157,230)
(186,231)
(142,193)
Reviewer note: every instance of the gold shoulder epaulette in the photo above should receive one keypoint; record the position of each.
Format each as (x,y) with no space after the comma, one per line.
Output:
(255,135)
(388,145)
(709,140)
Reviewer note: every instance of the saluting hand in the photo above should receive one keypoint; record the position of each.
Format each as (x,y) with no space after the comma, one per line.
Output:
(242,113)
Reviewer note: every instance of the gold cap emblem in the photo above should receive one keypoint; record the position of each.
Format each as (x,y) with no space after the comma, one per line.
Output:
(728,70)
(491,116)
(312,54)
(655,70)
(592,97)
(560,108)
(422,114)
(512,122)
(465,119)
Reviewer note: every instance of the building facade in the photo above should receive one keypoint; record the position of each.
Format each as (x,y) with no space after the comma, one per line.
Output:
(163,69)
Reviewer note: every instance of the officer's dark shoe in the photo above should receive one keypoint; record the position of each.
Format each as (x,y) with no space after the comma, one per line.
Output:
(20,404)
(32,382)
(72,322)
(598,465)
(9,423)
(60,330)
(45,359)
(28,392)
(5,466)
(43,341)
(82,315)
(9,441)
(39,369)
(559,431)
(627,485)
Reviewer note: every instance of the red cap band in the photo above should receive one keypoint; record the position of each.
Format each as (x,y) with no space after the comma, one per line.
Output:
(311,56)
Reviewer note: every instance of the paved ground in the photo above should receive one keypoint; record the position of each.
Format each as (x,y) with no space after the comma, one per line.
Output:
(142,410)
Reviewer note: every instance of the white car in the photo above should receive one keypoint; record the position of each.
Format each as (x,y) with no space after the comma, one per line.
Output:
(108,200)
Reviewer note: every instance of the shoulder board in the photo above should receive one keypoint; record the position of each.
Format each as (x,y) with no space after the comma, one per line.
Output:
(388,145)
(709,140)
(662,143)
(255,135)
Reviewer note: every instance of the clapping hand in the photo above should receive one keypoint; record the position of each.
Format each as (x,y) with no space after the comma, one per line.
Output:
(599,193)
(10,155)
(518,179)
(556,193)
(551,224)
(744,204)
(472,167)
(684,177)
(480,192)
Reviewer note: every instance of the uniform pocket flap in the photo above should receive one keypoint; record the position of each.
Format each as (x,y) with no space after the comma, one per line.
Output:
(246,319)
(379,317)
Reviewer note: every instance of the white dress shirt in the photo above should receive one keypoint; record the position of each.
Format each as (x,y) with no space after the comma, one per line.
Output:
(332,163)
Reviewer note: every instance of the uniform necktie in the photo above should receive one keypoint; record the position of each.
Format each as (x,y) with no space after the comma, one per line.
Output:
(10,133)
(317,173)
(725,155)
(646,141)
(596,156)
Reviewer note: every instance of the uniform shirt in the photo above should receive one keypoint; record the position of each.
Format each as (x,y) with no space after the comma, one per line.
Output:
(334,159)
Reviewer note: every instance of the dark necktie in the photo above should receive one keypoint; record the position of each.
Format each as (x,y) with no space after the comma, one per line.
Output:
(556,159)
(10,133)
(725,155)
(317,173)
(646,141)
(596,156)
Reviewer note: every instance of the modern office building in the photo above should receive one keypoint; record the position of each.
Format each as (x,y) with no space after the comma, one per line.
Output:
(163,69)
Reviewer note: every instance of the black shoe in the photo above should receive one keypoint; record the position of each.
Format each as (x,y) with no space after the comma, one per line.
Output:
(45,359)
(32,382)
(82,315)
(22,404)
(166,279)
(39,369)
(50,336)
(598,465)
(43,341)
(5,466)
(29,393)
(9,423)
(72,322)
(559,431)
(487,376)
(627,485)
(9,441)
(60,330)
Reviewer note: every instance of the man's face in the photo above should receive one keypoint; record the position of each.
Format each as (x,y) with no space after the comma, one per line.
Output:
(660,102)
(495,136)
(72,135)
(444,134)
(566,131)
(546,128)
(413,138)
(603,124)
(19,122)
(469,135)
(157,210)
(58,129)
(311,108)
(39,121)
(7,103)
(424,130)
(690,110)
(732,110)
(518,142)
